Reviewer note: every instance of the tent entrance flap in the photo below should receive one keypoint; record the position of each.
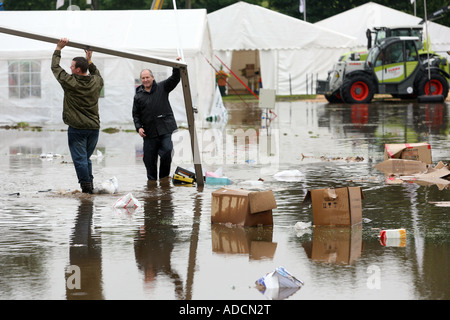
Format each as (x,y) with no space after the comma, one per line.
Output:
(246,64)
(165,62)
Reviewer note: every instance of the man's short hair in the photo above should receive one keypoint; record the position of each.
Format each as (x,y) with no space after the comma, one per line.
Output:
(82,63)
(151,73)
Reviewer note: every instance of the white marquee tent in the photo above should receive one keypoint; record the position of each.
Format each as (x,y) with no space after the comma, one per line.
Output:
(356,21)
(289,48)
(30,93)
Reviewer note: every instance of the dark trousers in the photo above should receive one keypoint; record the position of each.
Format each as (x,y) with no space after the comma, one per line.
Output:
(82,144)
(161,146)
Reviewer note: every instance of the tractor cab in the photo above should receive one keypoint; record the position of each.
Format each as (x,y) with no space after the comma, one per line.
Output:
(395,59)
(382,33)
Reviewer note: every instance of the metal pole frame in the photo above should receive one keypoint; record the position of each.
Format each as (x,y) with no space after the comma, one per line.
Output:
(160,61)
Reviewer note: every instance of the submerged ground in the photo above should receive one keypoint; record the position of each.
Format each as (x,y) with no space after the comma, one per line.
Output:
(168,249)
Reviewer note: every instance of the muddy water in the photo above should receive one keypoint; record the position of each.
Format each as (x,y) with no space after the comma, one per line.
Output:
(56,243)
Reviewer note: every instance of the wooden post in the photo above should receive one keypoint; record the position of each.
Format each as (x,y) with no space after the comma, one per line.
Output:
(165,62)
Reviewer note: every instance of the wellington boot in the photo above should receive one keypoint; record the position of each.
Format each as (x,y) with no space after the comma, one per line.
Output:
(87,187)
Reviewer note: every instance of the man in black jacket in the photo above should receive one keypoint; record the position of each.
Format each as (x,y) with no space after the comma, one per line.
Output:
(154,121)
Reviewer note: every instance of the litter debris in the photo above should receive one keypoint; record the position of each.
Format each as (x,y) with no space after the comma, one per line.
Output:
(393,238)
(288,175)
(441,203)
(302,228)
(409,151)
(98,156)
(218,181)
(302,225)
(242,207)
(183,176)
(49,156)
(402,167)
(109,186)
(127,201)
(338,207)
(216,178)
(400,171)
(278,284)
(258,182)
(329,158)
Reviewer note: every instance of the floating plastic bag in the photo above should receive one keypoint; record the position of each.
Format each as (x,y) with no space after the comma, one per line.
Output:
(278,284)
(127,201)
(279,278)
(109,186)
(289,175)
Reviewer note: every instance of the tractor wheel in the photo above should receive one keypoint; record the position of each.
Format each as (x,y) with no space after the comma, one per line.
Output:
(334,97)
(437,83)
(358,89)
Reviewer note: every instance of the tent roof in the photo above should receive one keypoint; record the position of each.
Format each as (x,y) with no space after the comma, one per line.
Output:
(243,26)
(356,21)
(131,30)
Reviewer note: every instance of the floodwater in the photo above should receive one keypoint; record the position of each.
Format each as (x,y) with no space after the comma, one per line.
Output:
(56,243)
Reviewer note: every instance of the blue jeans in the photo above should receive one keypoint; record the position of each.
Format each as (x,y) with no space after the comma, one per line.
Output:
(161,146)
(82,143)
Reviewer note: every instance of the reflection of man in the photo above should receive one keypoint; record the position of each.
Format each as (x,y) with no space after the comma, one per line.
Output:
(155,240)
(85,255)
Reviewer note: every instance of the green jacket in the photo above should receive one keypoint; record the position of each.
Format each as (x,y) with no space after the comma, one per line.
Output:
(81,94)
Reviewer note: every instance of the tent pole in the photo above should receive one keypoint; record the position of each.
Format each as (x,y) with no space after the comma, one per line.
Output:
(165,62)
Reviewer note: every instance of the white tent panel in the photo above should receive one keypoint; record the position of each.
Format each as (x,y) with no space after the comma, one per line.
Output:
(288,48)
(156,33)
(356,21)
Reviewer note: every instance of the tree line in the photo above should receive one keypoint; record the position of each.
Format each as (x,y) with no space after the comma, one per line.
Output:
(316,10)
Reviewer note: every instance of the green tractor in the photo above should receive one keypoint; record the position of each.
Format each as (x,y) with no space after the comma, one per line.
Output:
(381,33)
(393,66)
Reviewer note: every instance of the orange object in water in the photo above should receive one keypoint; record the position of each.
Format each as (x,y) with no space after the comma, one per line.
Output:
(397,235)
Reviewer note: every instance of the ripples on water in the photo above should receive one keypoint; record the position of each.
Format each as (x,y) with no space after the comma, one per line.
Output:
(168,249)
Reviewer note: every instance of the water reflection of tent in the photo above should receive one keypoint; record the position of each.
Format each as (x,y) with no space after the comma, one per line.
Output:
(284,48)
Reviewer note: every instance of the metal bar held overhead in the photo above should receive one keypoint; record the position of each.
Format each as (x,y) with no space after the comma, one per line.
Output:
(160,61)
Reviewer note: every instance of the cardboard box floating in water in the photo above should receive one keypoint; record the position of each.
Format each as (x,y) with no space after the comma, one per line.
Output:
(336,207)
(409,151)
(242,207)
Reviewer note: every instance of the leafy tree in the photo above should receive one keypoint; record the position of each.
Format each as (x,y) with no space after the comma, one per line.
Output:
(316,10)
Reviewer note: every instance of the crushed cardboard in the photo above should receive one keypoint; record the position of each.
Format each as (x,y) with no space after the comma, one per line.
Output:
(409,151)
(400,171)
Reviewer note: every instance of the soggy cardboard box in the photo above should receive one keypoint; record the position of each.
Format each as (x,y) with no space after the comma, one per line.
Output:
(409,151)
(336,207)
(401,167)
(242,207)
(415,171)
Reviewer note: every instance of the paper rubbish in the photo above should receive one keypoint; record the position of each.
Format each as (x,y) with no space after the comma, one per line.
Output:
(278,284)
(127,201)
(279,278)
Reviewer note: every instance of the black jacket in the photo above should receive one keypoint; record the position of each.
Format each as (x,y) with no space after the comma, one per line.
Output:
(152,110)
